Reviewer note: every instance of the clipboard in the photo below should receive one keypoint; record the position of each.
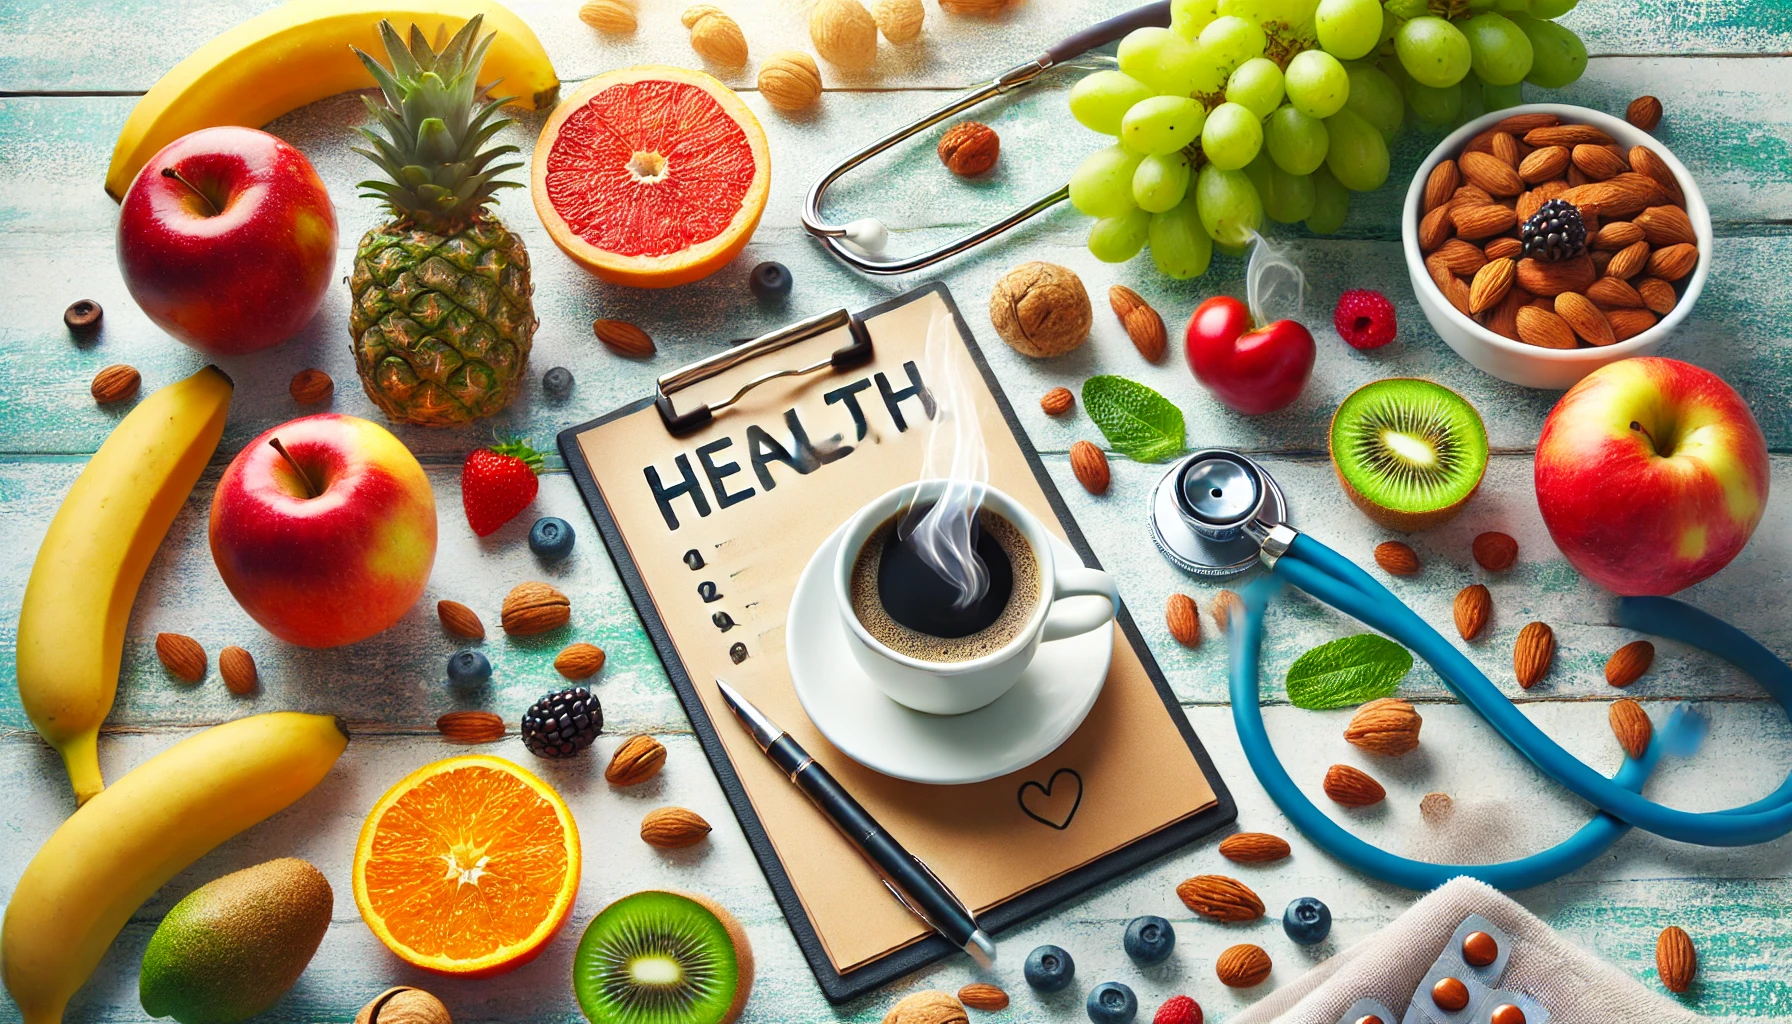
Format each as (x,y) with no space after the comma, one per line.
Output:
(1014,847)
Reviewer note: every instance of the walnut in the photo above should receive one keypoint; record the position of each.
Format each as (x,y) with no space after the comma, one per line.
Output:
(900,20)
(969,148)
(1041,309)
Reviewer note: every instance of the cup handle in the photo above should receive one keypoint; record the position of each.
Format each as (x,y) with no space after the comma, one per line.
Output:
(1068,620)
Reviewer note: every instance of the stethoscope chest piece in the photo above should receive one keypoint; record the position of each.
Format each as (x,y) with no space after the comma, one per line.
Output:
(1211,511)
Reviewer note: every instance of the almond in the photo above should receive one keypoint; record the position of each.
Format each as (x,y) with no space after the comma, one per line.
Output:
(1673,262)
(1483,221)
(115,384)
(1435,228)
(624,339)
(1597,162)
(1628,323)
(1657,294)
(181,656)
(1565,135)
(1495,551)
(1057,401)
(579,661)
(308,387)
(672,827)
(1460,257)
(1243,966)
(1628,261)
(1666,225)
(1397,558)
(983,996)
(1675,959)
(1586,319)
(637,760)
(1503,318)
(1504,248)
(1644,112)
(1542,278)
(1614,291)
(1628,663)
(1617,235)
(1521,124)
(1528,204)
(1253,848)
(1544,164)
(1471,609)
(1184,621)
(715,36)
(1601,259)
(1440,185)
(1220,898)
(1491,284)
(1090,464)
(1532,655)
(1226,606)
(1551,190)
(1618,196)
(1456,291)
(1630,723)
(1143,324)
(1469,195)
(1388,726)
(459,620)
(1505,148)
(1482,143)
(237,667)
(470,727)
(1489,172)
(1646,161)
(616,16)
(533,608)
(1352,787)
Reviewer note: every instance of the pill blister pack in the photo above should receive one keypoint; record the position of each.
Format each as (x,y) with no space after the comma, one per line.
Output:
(1463,986)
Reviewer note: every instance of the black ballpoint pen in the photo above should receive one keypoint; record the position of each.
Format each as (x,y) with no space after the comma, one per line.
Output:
(913,884)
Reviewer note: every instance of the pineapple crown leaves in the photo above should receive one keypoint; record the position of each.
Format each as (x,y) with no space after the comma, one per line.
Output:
(437,121)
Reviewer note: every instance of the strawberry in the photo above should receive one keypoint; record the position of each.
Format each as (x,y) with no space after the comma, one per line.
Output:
(497,483)
(1178,1010)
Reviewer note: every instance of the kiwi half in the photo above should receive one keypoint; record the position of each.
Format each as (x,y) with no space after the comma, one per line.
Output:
(661,957)
(1410,453)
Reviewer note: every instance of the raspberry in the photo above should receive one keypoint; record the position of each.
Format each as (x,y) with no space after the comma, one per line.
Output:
(1364,318)
(1180,1009)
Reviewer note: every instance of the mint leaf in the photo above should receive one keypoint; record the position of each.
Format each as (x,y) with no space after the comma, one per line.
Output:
(1346,672)
(1140,423)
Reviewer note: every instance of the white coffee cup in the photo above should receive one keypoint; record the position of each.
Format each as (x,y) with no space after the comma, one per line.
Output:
(955,687)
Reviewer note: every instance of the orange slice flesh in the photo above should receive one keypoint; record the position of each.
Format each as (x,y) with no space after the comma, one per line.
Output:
(651,176)
(468,866)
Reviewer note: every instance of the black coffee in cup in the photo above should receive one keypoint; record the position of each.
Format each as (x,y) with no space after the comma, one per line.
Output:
(906,605)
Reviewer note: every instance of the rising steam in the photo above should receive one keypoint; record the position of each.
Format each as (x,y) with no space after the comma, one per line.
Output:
(945,536)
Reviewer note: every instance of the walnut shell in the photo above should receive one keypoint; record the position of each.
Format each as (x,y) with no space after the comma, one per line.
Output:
(900,20)
(1041,309)
(404,1005)
(844,33)
(789,80)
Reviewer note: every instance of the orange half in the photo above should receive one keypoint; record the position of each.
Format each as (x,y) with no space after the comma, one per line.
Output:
(651,176)
(467,866)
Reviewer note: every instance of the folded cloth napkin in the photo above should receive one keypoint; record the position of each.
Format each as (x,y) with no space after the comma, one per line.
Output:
(1576,986)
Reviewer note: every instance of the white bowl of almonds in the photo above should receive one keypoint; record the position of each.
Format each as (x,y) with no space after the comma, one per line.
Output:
(1545,241)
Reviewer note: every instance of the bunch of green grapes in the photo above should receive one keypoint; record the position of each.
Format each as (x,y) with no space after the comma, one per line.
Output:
(1246,109)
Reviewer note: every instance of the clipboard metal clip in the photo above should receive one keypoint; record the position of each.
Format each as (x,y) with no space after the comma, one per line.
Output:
(858,353)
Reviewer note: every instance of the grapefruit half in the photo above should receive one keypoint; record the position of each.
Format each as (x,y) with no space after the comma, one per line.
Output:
(651,176)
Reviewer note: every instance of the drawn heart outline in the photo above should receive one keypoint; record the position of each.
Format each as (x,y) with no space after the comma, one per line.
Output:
(1045,793)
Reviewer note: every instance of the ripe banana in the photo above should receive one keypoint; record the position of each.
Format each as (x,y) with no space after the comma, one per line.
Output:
(78,600)
(120,847)
(299,53)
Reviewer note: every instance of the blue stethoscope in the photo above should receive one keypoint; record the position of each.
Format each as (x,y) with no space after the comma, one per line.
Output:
(1217,512)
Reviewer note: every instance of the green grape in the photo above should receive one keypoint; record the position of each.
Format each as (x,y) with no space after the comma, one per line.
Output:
(1499,97)
(1119,238)
(1473,105)
(1558,56)
(1435,107)
(1101,186)
(1231,136)
(1433,51)
(1230,207)
(1229,41)
(1189,17)
(1101,99)
(1257,86)
(1348,29)
(1317,84)
(1258,171)
(1296,142)
(1287,198)
(1331,204)
(1357,156)
(1376,99)
(1548,10)
(1179,244)
(1511,6)
(1163,60)
(1161,124)
(1499,51)
(1160,182)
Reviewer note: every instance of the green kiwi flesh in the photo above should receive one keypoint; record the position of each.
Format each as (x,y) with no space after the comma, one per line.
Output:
(662,958)
(1408,452)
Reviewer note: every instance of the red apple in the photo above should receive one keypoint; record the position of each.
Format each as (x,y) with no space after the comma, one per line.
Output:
(330,542)
(1252,371)
(227,240)
(1651,474)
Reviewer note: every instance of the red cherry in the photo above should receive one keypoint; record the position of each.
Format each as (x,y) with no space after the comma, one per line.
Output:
(1252,371)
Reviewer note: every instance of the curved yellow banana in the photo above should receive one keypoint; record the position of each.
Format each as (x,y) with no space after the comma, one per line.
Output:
(298,53)
(120,847)
(78,600)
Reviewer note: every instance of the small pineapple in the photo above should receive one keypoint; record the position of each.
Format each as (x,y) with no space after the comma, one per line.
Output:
(442,318)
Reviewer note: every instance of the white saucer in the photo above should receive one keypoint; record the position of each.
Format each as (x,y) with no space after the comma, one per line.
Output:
(1046,705)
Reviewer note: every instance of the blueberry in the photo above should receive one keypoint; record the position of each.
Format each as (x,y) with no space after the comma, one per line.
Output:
(1112,1003)
(1049,969)
(1149,939)
(468,668)
(557,382)
(769,281)
(1307,921)
(551,538)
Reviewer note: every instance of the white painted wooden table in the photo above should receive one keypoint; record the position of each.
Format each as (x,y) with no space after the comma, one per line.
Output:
(69,73)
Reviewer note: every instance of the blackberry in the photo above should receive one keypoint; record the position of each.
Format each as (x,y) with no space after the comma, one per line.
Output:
(1554,232)
(562,724)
